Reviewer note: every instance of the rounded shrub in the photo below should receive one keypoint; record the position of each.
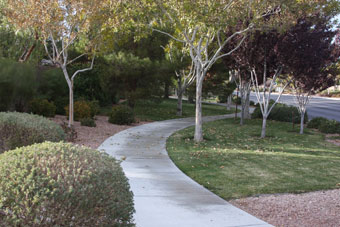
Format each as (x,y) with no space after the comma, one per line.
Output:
(121,115)
(89,122)
(81,110)
(94,107)
(60,184)
(43,107)
(330,126)
(316,122)
(22,129)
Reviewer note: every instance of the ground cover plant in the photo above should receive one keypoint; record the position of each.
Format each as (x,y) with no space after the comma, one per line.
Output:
(22,129)
(234,162)
(146,110)
(60,184)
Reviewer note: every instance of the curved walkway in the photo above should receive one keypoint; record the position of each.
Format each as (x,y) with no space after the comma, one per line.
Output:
(163,195)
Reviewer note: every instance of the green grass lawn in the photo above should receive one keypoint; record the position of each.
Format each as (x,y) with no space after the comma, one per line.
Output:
(146,110)
(234,162)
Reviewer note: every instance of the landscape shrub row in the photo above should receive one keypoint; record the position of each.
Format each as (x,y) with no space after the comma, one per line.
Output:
(281,112)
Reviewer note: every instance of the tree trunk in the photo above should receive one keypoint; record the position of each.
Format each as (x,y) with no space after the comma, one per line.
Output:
(264,124)
(198,120)
(179,102)
(246,110)
(243,107)
(229,100)
(166,90)
(71,108)
(302,121)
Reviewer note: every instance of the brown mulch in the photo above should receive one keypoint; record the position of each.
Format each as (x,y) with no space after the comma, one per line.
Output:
(94,136)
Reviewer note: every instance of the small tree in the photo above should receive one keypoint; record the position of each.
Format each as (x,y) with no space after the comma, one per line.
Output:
(307,52)
(60,25)
(185,75)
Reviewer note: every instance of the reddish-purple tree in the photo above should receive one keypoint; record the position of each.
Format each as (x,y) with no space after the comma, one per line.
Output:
(307,51)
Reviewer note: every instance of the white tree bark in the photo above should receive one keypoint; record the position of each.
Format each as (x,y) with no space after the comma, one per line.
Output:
(301,99)
(246,110)
(263,98)
(230,97)
(244,87)
(59,57)
(203,58)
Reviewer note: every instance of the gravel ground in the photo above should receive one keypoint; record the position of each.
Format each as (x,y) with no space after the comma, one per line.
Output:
(94,136)
(321,208)
(314,209)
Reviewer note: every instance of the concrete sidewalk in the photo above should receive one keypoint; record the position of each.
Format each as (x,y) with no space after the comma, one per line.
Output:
(163,195)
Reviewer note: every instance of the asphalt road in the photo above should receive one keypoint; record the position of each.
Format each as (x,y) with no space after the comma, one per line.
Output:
(318,106)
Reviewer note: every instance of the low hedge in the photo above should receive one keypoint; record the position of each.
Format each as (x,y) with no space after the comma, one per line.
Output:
(60,184)
(281,112)
(22,129)
(121,115)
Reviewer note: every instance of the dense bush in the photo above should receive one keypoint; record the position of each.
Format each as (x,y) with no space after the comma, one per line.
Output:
(131,77)
(89,122)
(82,110)
(330,126)
(60,184)
(316,122)
(281,112)
(22,129)
(42,107)
(121,115)
(17,85)
(94,107)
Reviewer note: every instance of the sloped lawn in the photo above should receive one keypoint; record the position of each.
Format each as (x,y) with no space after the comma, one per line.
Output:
(234,162)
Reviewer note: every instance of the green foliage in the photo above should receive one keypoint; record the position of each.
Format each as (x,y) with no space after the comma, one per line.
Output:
(13,44)
(82,110)
(281,112)
(89,122)
(42,107)
(17,85)
(130,77)
(330,126)
(51,83)
(94,106)
(87,85)
(60,184)
(22,129)
(316,122)
(121,115)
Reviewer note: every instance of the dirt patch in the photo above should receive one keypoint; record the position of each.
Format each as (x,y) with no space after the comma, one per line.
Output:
(333,138)
(94,136)
(321,208)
